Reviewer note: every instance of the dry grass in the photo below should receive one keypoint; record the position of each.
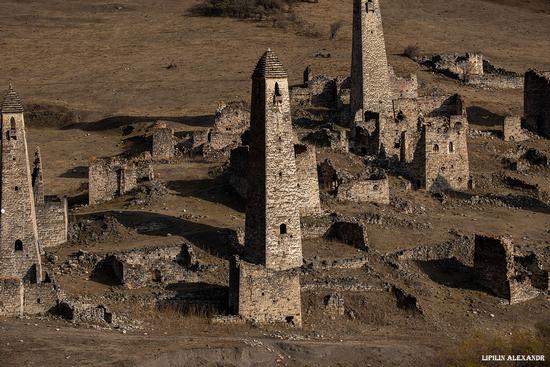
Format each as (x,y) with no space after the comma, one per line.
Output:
(469,352)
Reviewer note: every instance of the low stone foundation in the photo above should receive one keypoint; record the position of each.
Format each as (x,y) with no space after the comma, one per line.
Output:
(264,295)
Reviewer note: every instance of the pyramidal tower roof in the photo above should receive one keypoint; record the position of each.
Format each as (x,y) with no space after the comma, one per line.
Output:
(269,66)
(12,102)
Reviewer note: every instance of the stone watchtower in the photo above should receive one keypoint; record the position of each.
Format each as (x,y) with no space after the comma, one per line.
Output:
(273,234)
(19,246)
(370,78)
(265,285)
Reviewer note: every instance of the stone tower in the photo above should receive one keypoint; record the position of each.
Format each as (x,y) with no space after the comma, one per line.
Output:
(19,246)
(370,78)
(273,234)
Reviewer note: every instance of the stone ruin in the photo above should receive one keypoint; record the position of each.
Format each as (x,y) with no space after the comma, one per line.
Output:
(139,268)
(369,187)
(514,278)
(536,102)
(512,130)
(163,142)
(231,120)
(265,284)
(112,177)
(472,69)
(28,220)
(52,213)
(446,154)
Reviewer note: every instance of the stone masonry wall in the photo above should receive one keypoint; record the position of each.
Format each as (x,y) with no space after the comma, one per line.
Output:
(511,129)
(231,120)
(308,183)
(163,145)
(365,191)
(370,76)
(11,297)
(272,217)
(19,246)
(52,221)
(265,295)
(403,87)
(537,102)
(111,177)
(446,154)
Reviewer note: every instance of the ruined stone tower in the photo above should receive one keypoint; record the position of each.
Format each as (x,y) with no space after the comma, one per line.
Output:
(370,78)
(273,235)
(19,247)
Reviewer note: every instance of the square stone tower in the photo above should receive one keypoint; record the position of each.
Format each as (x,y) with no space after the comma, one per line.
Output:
(19,246)
(273,234)
(265,287)
(370,75)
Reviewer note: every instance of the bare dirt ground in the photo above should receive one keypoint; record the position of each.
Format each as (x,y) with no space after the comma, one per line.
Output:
(106,63)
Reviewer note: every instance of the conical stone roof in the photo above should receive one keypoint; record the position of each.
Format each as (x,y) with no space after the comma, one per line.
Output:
(12,102)
(269,66)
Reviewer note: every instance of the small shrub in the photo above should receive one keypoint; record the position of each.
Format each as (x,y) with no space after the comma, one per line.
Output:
(412,52)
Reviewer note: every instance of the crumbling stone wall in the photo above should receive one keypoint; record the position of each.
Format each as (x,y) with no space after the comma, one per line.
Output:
(446,154)
(51,212)
(11,297)
(369,189)
(495,268)
(320,91)
(19,242)
(163,144)
(351,233)
(308,184)
(265,295)
(39,298)
(114,176)
(403,87)
(332,138)
(231,120)
(53,221)
(371,88)
(536,102)
(140,267)
(511,129)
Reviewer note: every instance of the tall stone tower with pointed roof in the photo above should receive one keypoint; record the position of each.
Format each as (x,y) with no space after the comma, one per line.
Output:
(370,77)
(265,287)
(273,234)
(19,246)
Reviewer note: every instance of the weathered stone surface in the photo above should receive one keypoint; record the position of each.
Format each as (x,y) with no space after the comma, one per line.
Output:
(370,76)
(265,295)
(114,176)
(536,106)
(511,129)
(352,233)
(163,144)
(308,183)
(19,241)
(446,154)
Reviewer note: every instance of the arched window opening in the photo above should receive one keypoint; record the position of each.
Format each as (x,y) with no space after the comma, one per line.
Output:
(18,245)
(436,148)
(282,229)
(451,147)
(12,123)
